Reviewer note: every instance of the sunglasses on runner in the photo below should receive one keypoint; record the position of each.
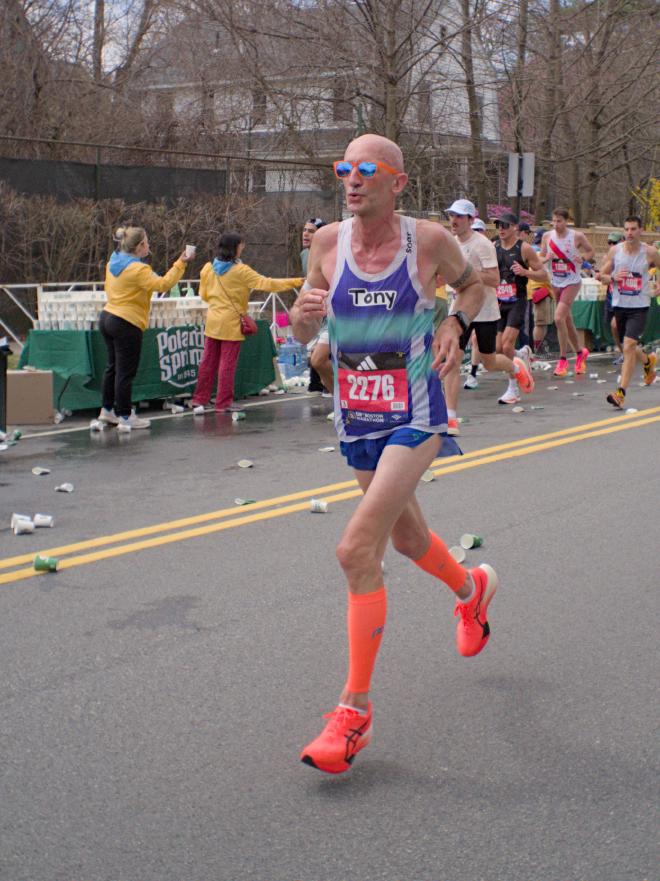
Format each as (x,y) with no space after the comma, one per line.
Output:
(343,167)
(501,225)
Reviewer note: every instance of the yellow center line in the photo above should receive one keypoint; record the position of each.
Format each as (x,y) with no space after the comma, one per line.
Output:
(473,460)
(182,522)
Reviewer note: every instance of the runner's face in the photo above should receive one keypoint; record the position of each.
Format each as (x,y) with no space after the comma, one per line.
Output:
(459,224)
(559,224)
(308,231)
(632,231)
(370,197)
(507,233)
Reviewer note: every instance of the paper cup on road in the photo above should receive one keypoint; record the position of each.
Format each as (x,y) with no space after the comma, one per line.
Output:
(238,417)
(45,564)
(326,449)
(198,410)
(457,553)
(518,410)
(318,506)
(553,388)
(593,376)
(536,407)
(468,540)
(23,527)
(428,476)
(64,488)
(42,521)
(177,409)
(244,501)
(38,471)
(245,463)
(16,517)
(191,250)
(631,410)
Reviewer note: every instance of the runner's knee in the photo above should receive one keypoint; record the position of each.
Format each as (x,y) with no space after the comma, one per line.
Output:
(356,555)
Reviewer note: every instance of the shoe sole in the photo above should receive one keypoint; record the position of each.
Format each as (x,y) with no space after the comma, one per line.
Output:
(506,403)
(492,583)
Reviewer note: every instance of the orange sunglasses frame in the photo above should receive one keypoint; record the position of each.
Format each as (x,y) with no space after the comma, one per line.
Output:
(377,163)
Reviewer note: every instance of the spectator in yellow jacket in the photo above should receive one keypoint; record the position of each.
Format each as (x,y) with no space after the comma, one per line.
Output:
(225,284)
(129,285)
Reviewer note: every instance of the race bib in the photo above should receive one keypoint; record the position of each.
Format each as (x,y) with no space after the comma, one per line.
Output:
(631,285)
(560,268)
(373,391)
(506,292)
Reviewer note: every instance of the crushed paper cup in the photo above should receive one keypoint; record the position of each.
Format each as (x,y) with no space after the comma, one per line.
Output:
(327,449)
(517,409)
(22,527)
(569,381)
(38,471)
(177,409)
(330,417)
(198,410)
(578,394)
(593,376)
(428,476)
(43,521)
(45,564)
(601,381)
(16,517)
(469,540)
(631,410)
(64,488)
(238,417)
(553,388)
(244,501)
(245,463)
(457,553)
(280,391)
(536,407)
(318,506)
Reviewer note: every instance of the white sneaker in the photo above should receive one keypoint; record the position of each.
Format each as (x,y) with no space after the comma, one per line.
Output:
(198,410)
(471,381)
(132,422)
(510,396)
(108,416)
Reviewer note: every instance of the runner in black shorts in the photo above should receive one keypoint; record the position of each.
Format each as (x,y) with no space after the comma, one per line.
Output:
(517,261)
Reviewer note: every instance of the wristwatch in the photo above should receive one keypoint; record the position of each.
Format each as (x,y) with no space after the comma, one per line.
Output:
(462,319)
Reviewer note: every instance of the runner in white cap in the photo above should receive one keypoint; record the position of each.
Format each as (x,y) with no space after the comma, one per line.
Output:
(566,249)
(482,255)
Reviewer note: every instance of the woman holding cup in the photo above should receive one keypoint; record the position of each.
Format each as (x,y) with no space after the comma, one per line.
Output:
(129,285)
(225,284)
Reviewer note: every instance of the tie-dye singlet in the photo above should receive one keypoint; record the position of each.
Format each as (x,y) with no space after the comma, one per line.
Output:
(381,330)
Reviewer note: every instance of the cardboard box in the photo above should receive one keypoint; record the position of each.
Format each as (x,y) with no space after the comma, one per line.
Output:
(29,397)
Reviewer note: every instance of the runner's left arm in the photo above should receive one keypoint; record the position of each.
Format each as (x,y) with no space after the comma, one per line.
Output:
(582,243)
(536,270)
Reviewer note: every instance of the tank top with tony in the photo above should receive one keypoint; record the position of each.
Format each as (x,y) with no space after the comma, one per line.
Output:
(634,291)
(381,331)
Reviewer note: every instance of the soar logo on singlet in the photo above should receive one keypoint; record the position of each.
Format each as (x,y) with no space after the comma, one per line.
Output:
(363,297)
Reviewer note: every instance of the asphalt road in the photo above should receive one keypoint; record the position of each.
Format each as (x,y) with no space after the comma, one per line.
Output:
(156,691)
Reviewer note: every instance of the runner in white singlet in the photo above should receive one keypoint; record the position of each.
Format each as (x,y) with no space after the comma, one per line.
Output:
(566,249)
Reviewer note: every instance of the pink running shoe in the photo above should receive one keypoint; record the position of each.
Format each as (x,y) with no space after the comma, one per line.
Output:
(562,368)
(473,631)
(581,362)
(346,733)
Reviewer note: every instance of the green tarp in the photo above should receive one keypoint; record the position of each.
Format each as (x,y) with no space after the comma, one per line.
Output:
(168,363)
(588,315)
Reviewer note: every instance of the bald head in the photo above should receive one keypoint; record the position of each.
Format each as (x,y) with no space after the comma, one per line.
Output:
(375,147)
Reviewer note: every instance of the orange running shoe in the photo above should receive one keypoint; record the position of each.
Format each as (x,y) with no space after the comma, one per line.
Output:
(581,362)
(346,733)
(649,369)
(452,427)
(562,367)
(524,377)
(473,631)
(617,399)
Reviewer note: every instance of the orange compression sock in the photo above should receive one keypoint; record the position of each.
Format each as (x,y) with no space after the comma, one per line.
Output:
(439,562)
(366,622)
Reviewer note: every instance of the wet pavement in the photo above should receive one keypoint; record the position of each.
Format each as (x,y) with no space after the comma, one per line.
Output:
(154,697)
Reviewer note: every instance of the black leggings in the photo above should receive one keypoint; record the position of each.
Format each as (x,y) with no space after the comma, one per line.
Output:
(124,342)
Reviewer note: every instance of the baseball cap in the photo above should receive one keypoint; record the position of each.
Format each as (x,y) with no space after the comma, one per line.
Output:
(507,217)
(479,225)
(614,238)
(538,235)
(524,227)
(463,207)
(318,223)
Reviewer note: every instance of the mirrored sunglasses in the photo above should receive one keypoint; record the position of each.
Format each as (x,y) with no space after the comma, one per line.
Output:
(343,168)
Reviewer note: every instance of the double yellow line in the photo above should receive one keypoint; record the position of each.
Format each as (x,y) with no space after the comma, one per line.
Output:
(228,518)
